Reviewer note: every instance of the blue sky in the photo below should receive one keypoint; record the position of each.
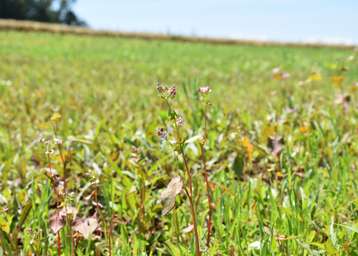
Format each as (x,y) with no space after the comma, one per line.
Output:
(284,20)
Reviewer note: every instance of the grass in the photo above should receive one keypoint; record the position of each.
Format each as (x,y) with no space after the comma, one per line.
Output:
(84,171)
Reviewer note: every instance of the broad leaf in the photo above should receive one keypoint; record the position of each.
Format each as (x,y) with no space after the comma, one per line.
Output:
(86,226)
(169,194)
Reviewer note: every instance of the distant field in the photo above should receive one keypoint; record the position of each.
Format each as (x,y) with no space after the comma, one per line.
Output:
(32,26)
(79,131)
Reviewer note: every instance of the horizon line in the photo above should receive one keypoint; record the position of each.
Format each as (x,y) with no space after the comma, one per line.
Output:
(35,26)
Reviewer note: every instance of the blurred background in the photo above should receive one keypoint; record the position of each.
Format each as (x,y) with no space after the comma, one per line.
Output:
(331,21)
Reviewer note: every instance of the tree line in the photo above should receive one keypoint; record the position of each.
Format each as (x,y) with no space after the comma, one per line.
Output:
(55,11)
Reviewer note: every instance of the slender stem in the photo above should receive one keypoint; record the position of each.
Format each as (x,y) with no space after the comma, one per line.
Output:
(206,179)
(209,199)
(142,200)
(110,235)
(64,168)
(96,201)
(190,184)
(192,205)
(58,244)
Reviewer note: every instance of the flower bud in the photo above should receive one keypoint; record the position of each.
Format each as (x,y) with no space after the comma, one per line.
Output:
(204,89)
(162,133)
(179,121)
(172,91)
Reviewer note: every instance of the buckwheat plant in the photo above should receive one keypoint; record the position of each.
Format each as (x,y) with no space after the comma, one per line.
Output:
(64,217)
(175,186)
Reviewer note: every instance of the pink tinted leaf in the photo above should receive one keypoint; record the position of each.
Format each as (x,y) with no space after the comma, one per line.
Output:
(56,222)
(86,226)
(169,194)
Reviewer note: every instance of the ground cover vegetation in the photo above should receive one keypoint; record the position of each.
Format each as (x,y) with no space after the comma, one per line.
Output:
(114,146)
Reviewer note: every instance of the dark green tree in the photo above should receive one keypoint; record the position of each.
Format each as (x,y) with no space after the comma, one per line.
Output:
(57,11)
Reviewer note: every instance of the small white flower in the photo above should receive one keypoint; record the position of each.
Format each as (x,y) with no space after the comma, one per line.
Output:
(285,75)
(204,89)
(51,171)
(255,245)
(179,121)
(58,141)
(276,70)
(44,141)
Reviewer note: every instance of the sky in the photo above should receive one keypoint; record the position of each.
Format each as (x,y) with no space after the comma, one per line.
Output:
(332,21)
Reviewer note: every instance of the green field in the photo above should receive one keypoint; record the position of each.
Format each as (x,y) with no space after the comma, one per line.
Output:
(85,170)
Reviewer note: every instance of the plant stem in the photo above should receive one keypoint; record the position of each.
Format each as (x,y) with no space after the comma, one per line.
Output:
(192,205)
(206,178)
(209,199)
(110,235)
(58,244)
(65,174)
(190,184)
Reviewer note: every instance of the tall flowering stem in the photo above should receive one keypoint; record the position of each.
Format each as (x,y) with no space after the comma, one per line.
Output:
(168,93)
(55,118)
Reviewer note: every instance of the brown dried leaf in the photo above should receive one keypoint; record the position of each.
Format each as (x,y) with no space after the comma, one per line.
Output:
(56,222)
(169,194)
(344,100)
(57,219)
(69,211)
(275,144)
(86,226)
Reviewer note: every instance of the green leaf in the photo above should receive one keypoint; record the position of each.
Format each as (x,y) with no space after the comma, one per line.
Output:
(173,250)
(351,228)
(5,242)
(332,233)
(238,165)
(330,249)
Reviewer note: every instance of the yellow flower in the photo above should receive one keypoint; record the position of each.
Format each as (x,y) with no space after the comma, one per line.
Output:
(337,80)
(354,87)
(248,147)
(304,129)
(56,117)
(279,174)
(315,76)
